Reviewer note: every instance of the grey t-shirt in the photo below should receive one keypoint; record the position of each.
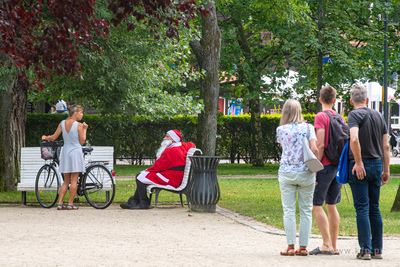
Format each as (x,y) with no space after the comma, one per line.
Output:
(370,134)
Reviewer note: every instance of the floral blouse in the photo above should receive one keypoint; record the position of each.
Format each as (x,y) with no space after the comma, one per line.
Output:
(290,136)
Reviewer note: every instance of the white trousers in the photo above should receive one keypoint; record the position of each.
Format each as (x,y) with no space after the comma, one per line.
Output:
(303,183)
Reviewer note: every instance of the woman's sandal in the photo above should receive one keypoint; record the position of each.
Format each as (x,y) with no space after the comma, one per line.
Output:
(61,207)
(301,252)
(288,252)
(72,207)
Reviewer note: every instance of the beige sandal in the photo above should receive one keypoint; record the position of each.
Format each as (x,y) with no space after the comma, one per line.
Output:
(301,252)
(288,252)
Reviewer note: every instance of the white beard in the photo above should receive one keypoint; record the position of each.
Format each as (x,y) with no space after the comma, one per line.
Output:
(164,145)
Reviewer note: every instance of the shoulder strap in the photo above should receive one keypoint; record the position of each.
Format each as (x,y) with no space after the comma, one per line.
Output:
(308,132)
(329,114)
(366,116)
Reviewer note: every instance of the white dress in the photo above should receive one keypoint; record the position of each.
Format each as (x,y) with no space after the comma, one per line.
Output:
(71,159)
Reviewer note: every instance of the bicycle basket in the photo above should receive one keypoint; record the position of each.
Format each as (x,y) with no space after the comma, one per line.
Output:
(48,149)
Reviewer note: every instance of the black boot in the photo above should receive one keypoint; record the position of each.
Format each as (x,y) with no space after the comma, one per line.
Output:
(143,205)
(133,200)
(127,205)
(141,193)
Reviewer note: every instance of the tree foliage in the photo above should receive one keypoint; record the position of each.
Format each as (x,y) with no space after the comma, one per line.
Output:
(254,49)
(351,34)
(45,35)
(131,72)
(253,43)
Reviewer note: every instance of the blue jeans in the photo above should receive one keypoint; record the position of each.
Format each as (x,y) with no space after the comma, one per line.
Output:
(366,202)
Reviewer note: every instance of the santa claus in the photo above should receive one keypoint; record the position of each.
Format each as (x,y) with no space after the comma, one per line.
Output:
(167,169)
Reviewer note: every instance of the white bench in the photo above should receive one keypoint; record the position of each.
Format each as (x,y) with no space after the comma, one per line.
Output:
(31,162)
(183,187)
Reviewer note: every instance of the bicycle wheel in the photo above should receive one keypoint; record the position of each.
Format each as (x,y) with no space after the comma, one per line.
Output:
(98,186)
(47,186)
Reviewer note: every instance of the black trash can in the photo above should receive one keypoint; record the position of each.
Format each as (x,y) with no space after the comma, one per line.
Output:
(204,192)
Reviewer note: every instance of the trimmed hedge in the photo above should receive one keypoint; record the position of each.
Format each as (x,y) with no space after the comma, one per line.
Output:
(137,138)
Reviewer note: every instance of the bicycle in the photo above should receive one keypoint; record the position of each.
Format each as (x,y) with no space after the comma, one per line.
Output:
(96,183)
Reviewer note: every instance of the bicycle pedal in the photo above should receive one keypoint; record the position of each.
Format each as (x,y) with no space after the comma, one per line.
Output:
(76,200)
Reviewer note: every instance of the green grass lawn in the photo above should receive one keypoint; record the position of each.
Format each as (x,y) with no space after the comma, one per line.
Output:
(260,199)
(257,198)
(224,169)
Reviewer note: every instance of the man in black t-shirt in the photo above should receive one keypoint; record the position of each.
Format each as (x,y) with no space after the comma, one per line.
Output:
(368,171)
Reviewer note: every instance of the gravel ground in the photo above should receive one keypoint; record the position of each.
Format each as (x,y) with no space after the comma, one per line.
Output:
(166,236)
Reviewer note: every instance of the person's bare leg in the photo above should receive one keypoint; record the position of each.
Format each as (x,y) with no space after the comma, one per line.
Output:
(323,225)
(64,187)
(73,187)
(334,221)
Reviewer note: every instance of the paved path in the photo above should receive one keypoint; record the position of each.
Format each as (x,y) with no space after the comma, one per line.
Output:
(166,236)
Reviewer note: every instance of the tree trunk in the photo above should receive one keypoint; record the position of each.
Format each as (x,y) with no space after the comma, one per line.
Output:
(256,133)
(396,203)
(207,52)
(40,107)
(13,102)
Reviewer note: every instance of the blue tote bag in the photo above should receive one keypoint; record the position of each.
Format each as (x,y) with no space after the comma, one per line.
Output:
(343,167)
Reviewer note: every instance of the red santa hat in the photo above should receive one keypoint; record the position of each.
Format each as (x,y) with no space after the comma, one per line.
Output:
(175,135)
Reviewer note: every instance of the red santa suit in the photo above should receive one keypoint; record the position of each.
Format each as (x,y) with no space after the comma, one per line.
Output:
(160,173)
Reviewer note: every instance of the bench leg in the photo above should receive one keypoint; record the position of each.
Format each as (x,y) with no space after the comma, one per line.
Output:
(187,200)
(156,200)
(23,200)
(150,199)
(181,200)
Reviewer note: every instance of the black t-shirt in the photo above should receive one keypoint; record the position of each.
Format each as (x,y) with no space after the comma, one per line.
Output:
(370,134)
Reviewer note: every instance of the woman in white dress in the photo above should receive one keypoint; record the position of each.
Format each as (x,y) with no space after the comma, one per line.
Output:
(71,160)
(294,176)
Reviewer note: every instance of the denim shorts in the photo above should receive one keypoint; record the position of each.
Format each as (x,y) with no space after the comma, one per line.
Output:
(327,189)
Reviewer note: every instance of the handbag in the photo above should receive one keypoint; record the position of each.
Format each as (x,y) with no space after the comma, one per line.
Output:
(310,159)
(343,167)
(46,154)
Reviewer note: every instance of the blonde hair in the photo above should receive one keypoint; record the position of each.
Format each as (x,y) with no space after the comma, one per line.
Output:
(74,108)
(291,112)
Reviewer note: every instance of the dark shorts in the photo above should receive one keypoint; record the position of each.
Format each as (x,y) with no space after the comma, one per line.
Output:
(327,189)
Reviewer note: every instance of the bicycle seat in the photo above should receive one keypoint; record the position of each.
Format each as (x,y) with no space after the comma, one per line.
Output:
(87,149)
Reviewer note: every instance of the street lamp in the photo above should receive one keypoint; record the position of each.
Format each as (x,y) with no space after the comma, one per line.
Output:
(385,77)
